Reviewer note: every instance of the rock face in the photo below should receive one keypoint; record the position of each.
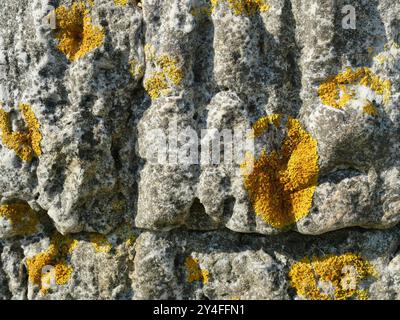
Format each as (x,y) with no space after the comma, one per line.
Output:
(199,149)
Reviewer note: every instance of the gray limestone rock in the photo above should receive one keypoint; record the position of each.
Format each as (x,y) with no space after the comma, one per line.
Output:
(236,266)
(110,186)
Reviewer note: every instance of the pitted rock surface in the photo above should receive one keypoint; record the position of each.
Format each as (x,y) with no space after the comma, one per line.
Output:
(87,212)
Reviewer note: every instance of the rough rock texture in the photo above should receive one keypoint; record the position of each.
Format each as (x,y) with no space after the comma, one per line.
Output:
(87,213)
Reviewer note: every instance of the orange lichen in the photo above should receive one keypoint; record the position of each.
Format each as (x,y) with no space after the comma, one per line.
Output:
(281,184)
(56,256)
(239,7)
(168,74)
(25,144)
(337,90)
(340,275)
(100,243)
(22,218)
(75,32)
(195,273)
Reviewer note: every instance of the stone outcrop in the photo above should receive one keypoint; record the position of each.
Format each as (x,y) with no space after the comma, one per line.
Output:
(89,89)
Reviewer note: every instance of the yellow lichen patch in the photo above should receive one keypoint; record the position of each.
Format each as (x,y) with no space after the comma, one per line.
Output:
(65,244)
(336,91)
(75,32)
(381,58)
(195,273)
(55,256)
(135,69)
(130,241)
(201,11)
(370,109)
(389,54)
(281,184)
(25,144)
(370,50)
(341,274)
(261,125)
(239,7)
(63,273)
(33,125)
(22,218)
(100,243)
(121,2)
(166,75)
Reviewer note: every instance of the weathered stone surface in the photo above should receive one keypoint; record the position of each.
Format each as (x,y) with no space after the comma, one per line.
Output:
(84,266)
(90,88)
(247,267)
